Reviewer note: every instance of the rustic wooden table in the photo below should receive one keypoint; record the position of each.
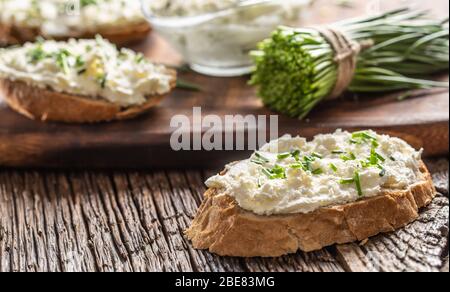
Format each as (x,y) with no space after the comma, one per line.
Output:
(134,221)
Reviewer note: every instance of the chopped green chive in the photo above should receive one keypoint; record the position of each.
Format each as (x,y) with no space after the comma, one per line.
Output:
(356,180)
(62,60)
(267,173)
(277,172)
(297,166)
(256,162)
(317,155)
(37,54)
(333,167)
(140,58)
(380,157)
(347,181)
(358,184)
(350,156)
(392,158)
(79,62)
(338,152)
(373,157)
(283,156)
(102,80)
(296,155)
(363,135)
(183,84)
(260,157)
(317,171)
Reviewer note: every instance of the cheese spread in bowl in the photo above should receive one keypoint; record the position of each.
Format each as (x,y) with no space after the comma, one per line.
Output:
(90,68)
(55,18)
(292,175)
(216,36)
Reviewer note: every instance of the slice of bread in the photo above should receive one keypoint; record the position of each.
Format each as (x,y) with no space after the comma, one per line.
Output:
(121,36)
(224,228)
(47,105)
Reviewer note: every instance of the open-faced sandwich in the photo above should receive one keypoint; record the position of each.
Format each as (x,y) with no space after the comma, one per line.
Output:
(298,195)
(120,21)
(81,81)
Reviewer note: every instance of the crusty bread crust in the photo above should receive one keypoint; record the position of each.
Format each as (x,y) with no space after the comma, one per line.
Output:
(121,36)
(47,105)
(223,228)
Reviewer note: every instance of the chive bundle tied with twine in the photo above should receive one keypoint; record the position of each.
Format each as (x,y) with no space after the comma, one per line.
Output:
(297,68)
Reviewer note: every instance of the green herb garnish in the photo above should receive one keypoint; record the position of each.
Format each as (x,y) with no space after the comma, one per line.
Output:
(347,181)
(350,156)
(358,184)
(380,157)
(183,84)
(140,58)
(296,155)
(37,54)
(62,60)
(363,135)
(267,173)
(333,167)
(101,79)
(277,172)
(283,156)
(317,171)
(259,159)
(356,180)
(373,157)
(317,155)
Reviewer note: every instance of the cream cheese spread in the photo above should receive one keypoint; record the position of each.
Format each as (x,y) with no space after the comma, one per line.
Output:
(63,17)
(90,68)
(291,175)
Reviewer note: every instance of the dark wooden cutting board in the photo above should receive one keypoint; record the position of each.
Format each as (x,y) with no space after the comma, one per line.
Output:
(422,120)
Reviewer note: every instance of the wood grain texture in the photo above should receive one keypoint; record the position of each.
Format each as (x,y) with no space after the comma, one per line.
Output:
(134,221)
(422,120)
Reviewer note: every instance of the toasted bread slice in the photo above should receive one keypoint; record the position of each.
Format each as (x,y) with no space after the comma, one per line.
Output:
(224,228)
(47,105)
(121,36)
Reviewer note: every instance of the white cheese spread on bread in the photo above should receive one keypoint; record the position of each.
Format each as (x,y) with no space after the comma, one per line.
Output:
(291,175)
(89,68)
(61,17)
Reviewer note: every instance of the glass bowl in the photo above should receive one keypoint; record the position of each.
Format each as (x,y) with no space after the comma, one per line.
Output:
(218,43)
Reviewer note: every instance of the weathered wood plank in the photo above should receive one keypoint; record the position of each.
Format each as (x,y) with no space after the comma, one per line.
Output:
(439,169)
